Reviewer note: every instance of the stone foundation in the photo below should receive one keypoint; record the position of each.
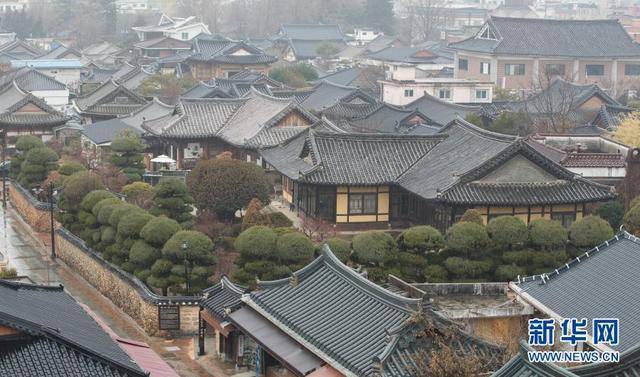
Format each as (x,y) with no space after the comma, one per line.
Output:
(124,290)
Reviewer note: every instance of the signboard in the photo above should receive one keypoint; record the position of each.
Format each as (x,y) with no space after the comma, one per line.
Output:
(169,317)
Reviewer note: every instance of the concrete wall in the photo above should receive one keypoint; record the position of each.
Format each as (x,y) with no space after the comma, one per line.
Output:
(122,289)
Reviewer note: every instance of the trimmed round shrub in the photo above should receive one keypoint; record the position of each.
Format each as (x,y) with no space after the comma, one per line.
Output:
(256,242)
(467,269)
(547,234)
(436,274)
(130,225)
(108,235)
(509,273)
(28,142)
(122,210)
(92,198)
(280,220)
(631,220)
(472,216)
(158,230)
(411,266)
(143,255)
(612,212)
(105,208)
(37,164)
(373,247)
(69,168)
(138,193)
(76,187)
(467,237)
(507,231)
(340,248)
(421,239)
(294,248)
(589,231)
(199,248)
(634,202)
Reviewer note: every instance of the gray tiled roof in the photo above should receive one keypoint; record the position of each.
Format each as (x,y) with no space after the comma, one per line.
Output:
(106,130)
(28,79)
(408,55)
(102,100)
(308,49)
(14,99)
(599,284)
(61,338)
(312,32)
(357,315)
(326,94)
(439,111)
(547,37)
(236,121)
(214,49)
(222,296)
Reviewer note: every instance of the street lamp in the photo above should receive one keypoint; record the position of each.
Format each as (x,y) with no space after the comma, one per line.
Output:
(185,246)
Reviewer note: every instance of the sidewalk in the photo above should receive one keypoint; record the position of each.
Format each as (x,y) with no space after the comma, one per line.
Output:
(29,253)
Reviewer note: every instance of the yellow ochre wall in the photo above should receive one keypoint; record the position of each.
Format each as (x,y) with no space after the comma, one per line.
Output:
(342,204)
(535,212)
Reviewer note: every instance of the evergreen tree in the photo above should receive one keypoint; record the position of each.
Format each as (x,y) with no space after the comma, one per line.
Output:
(380,15)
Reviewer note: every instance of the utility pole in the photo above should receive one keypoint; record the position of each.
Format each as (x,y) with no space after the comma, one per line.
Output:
(185,246)
(53,231)
(4,171)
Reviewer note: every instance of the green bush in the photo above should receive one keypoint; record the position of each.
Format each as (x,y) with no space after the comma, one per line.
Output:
(467,269)
(411,266)
(160,275)
(70,168)
(280,220)
(263,270)
(340,248)
(472,216)
(170,198)
(631,220)
(199,248)
(122,210)
(436,274)
(76,187)
(143,255)
(127,155)
(257,242)
(37,163)
(108,201)
(467,237)
(93,198)
(138,193)
(547,234)
(23,145)
(294,248)
(373,247)
(105,208)
(634,202)
(589,231)
(421,239)
(509,273)
(158,230)
(612,212)
(507,231)
(130,225)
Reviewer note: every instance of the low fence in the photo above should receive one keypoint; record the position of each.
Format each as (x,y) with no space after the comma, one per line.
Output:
(35,212)
(158,315)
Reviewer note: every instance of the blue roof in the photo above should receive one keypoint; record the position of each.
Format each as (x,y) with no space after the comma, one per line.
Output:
(47,63)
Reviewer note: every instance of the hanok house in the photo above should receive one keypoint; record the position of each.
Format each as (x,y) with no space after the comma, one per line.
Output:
(565,107)
(384,181)
(29,80)
(25,114)
(300,42)
(518,53)
(239,85)
(44,331)
(327,320)
(573,290)
(108,101)
(215,56)
(204,128)
(162,47)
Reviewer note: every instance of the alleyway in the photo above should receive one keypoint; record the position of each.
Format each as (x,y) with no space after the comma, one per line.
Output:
(27,252)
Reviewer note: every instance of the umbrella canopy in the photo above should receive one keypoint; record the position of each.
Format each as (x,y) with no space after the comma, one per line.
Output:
(163,159)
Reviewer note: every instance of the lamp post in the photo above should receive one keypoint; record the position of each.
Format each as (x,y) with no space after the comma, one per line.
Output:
(185,246)
(53,231)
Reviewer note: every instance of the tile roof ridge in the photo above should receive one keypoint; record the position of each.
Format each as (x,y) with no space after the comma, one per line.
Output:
(335,85)
(546,277)
(459,121)
(31,286)
(377,136)
(427,96)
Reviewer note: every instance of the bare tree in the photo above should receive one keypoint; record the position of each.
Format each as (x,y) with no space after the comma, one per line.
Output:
(426,18)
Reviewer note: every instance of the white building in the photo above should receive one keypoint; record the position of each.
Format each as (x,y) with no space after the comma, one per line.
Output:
(362,36)
(173,27)
(13,5)
(132,6)
(406,82)
(66,71)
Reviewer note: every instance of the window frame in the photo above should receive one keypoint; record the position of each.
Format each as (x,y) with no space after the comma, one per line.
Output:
(465,66)
(182,35)
(408,91)
(447,90)
(488,70)
(627,70)
(587,66)
(485,91)
(362,198)
(555,72)
(514,69)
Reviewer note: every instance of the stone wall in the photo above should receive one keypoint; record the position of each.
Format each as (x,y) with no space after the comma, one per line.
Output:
(123,289)
(33,211)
